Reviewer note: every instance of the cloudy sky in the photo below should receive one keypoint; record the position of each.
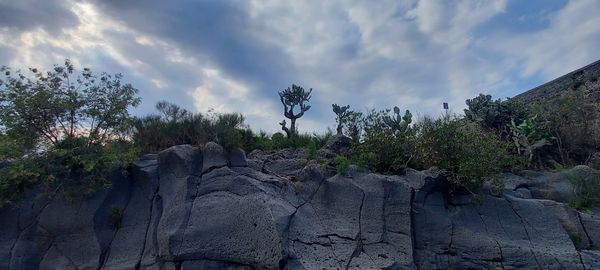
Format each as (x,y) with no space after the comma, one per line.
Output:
(236,55)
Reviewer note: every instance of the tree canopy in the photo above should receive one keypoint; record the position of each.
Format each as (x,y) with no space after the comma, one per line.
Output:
(48,107)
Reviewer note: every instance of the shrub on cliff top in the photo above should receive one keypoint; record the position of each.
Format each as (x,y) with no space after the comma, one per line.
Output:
(175,125)
(467,154)
(62,129)
(388,140)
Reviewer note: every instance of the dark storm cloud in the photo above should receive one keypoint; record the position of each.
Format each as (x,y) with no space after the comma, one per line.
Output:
(52,15)
(219,32)
(153,64)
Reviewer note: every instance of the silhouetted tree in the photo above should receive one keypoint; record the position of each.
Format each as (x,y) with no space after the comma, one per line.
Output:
(290,98)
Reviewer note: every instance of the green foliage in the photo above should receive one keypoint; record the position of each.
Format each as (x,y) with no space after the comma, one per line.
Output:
(63,131)
(341,164)
(468,154)
(577,241)
(311,142)
(15,179)
(388,138)
(354,126)
(529,137)
(573,119)
(251,141)
(341,116)
(56,104)
(177,126)
(587,191)
(11,148)
(495,114)
(72,168)
(365,160)
(498,186)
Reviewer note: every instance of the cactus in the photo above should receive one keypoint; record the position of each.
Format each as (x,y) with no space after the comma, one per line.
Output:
(290,98)
(341,116)
(397,122)
(528,137)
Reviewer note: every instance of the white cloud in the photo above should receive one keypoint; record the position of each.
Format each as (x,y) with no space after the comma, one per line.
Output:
(569,42)
(224,95)
(385,53)
(415,54)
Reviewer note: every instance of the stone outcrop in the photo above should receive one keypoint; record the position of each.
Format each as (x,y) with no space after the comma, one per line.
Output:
(208,208)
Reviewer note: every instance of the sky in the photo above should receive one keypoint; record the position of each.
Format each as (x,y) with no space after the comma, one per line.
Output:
(234,56)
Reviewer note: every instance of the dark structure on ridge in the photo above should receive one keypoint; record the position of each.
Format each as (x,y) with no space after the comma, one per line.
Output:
(584,79)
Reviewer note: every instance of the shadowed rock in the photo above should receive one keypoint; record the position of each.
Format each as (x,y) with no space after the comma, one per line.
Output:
(192,208)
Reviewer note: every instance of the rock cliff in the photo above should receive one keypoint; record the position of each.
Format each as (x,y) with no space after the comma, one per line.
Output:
(206,208)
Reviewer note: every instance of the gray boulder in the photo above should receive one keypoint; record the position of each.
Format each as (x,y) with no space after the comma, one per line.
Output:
(336,145)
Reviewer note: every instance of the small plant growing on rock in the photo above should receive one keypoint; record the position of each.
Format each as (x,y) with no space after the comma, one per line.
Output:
(116,216)
(497,186)
(576,239)
(341,164)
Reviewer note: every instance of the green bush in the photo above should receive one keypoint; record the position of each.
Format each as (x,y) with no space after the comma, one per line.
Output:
(467,154)
(495,114)
(388,140)
(573,119)
(72,168)
(341,164)
(311,142)
(15,179)
(63,130)
(49,106)
(365,160)
(177,126)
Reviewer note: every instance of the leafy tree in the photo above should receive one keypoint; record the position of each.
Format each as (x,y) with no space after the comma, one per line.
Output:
(172,112)
(290,98)
(62,130)
(57,104)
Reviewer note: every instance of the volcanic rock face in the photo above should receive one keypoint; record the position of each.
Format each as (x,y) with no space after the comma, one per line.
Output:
(207,208)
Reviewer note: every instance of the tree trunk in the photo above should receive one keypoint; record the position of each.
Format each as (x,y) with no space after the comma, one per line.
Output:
(293,130)
(284,128)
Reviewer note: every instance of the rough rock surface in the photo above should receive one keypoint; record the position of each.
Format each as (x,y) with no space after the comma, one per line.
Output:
(208,208)
(337,145)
